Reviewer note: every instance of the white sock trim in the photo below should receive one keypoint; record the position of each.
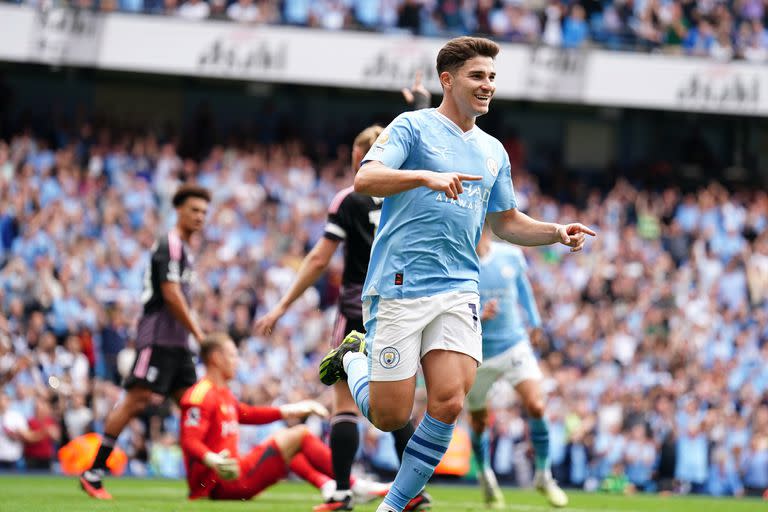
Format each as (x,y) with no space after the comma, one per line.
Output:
(349,357)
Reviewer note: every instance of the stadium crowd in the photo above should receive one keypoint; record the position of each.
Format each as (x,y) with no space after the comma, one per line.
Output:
(656,359)
(721,30)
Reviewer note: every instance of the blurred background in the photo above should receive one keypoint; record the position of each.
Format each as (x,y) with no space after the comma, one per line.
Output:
(643,119)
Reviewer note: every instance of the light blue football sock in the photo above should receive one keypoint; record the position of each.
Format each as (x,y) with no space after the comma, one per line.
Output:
(422,454)
(356,366)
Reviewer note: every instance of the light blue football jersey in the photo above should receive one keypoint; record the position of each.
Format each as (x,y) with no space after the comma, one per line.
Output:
(425,243)
(502,277)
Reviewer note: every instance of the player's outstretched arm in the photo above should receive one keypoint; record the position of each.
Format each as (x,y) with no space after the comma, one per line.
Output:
(376,179)
(259,415)
(518,228)
(303,409)
(311,269)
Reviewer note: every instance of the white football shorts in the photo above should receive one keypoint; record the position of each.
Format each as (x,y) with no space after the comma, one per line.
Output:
(399,332)
(515,365)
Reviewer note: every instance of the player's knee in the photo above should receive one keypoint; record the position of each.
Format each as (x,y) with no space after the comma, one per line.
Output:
(299,432)
(535,408)
(289,440)
(391,420)
(448,409)
(389,413)
(137,400)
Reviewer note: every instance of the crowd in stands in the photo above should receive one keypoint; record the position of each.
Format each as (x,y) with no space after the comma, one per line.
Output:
(721,30)
(656,359)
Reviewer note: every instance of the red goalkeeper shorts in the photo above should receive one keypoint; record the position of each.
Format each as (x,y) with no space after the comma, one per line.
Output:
(261,468)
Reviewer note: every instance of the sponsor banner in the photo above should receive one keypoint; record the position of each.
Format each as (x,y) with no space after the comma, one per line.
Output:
(155,44)
(556,74)
(676,83)
(15,27)
(66,36)
(270,54)
(54,35)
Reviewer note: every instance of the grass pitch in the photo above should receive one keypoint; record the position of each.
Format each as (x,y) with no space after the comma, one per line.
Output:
(60,494)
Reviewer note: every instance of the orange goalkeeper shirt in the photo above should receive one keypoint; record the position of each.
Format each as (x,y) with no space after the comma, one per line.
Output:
(210,422)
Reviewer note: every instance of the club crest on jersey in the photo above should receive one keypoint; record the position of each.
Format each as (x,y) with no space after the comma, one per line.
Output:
(389,357)
(493,167)
(383,138)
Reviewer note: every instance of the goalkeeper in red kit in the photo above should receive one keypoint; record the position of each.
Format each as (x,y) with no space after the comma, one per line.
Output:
(211,416)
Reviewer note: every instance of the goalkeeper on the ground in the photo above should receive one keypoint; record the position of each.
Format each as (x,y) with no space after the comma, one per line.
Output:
(211,416)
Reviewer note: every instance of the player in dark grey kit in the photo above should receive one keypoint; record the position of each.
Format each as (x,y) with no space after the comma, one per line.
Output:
(164,363)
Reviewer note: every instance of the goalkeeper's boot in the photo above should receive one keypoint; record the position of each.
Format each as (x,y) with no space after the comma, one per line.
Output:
(90,481)
(332,365)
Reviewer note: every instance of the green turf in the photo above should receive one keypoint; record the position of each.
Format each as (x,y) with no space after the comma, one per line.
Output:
(54,494)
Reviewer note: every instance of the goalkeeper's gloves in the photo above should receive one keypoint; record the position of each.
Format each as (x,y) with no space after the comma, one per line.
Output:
(228,468)
(303,409)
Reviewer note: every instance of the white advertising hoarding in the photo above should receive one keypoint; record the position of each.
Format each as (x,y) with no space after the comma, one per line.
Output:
(167,45)
(66,36)
(269,54)
(15,29)
(676,83)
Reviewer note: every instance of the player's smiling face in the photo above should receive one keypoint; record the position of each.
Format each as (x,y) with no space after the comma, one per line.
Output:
(474,84)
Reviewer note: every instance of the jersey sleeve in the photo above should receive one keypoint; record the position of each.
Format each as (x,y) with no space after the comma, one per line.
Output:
(337,226)
(195,422)
(167,261)
(254,415)
(503,194)
(394,144)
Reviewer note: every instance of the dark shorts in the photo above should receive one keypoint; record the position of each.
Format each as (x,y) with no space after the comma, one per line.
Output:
(343,325)
(162,369)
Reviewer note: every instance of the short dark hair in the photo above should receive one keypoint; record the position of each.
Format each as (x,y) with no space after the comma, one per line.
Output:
(211,343)
(459,50)
(190,190)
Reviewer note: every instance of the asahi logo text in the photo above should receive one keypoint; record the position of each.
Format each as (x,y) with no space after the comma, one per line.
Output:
(243,58)
(74,22)
(67,35)
(711,91)
(556,73)
(388,67)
